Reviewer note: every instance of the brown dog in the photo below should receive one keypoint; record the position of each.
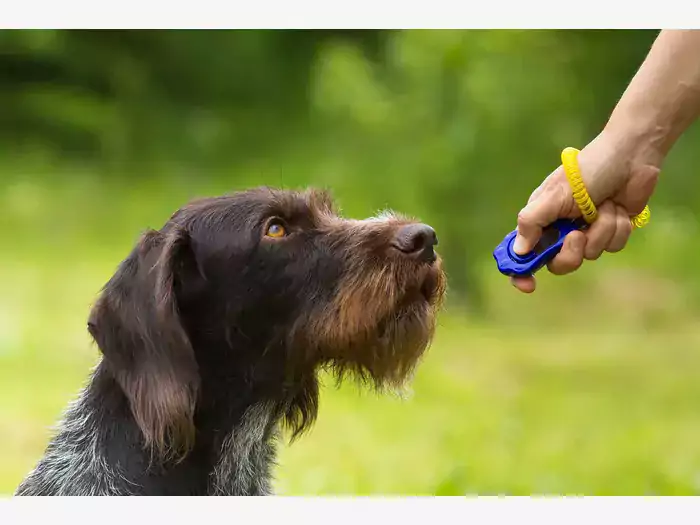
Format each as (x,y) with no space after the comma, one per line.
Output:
(213,330)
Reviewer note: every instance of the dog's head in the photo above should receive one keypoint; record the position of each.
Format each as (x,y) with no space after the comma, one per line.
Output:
(271,278)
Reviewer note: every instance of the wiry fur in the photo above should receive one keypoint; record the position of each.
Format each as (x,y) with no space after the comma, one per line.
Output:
(247,456)
(212,334)
(74,464)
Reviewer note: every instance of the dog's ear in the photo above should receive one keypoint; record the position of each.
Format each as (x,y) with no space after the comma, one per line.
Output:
(136,324)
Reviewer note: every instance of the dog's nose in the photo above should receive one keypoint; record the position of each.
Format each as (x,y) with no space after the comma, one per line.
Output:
(416,241)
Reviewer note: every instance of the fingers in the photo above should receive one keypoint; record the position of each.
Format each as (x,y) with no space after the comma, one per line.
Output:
(601,232)
(570,258)
(622,231)
(609,233)
(548,203)
(524,284)
(567,260)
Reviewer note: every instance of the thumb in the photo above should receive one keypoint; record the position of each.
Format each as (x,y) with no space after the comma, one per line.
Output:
(552,203)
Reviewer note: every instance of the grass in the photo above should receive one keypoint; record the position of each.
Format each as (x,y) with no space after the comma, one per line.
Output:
(534,397)
(494,413)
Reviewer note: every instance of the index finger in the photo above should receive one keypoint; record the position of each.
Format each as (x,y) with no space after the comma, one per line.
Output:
(552,203)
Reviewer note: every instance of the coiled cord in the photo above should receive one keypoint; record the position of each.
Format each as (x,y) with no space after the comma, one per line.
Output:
(569,159)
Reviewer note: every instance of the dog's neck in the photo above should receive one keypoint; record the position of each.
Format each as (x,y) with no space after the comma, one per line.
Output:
(99,450)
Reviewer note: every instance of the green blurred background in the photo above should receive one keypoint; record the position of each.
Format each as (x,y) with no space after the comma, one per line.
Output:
(591,385)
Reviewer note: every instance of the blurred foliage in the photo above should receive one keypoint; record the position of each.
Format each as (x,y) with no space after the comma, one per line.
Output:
(457,126)
(105,133)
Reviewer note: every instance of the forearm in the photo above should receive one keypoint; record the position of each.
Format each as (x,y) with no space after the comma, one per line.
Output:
(662,99)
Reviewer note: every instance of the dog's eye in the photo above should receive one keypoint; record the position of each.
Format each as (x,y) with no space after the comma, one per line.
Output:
(276,230)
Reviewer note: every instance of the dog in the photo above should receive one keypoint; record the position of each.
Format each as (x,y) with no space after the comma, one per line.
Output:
(212,333)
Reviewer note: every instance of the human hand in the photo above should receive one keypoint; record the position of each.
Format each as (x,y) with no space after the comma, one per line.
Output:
(620,182)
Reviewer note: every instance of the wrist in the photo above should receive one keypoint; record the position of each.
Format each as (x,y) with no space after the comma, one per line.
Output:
(639,142)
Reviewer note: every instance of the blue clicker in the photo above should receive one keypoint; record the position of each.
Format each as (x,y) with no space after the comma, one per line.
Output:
(550,243)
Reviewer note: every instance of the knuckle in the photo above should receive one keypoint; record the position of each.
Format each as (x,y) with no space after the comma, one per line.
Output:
(607,217)
(524,218)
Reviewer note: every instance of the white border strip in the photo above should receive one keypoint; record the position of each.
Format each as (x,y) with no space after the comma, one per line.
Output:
(384,14)
(350,511)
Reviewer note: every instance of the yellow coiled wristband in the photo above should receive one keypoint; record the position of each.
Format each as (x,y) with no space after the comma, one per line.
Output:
(569,160)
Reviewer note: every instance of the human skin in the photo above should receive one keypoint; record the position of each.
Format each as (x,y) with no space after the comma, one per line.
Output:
(620,167)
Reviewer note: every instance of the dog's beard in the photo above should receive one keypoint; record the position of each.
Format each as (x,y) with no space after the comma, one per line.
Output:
(386,357)
(379,324)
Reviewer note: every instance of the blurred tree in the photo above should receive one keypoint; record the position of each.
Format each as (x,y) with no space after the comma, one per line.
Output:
(456,127)
(140,96)
(452,122)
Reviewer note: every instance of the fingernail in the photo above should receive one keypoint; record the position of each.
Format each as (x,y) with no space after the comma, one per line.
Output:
(519,246)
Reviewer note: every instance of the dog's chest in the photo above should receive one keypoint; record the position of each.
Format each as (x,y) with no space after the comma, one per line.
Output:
(247,456)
